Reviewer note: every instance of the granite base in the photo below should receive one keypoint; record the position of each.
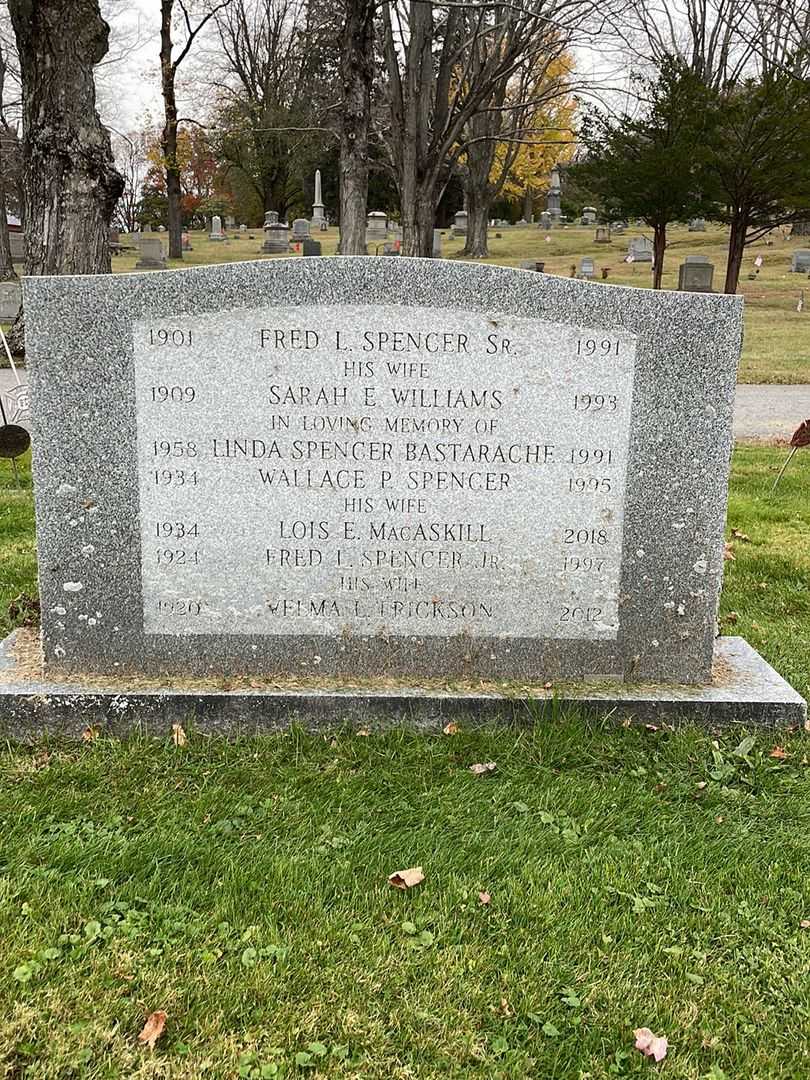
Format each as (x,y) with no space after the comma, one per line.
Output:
(745,692)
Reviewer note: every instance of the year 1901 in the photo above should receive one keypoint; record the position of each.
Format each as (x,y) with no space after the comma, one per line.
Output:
(169,337)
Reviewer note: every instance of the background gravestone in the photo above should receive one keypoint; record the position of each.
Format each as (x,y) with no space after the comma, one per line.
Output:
(300,230)
(460,223)
(695,274)
(586,269)
(311,247)
(800,261)
(641,248)
(216,228)
(152,255)
(276,238)
(10,300)
(376,226)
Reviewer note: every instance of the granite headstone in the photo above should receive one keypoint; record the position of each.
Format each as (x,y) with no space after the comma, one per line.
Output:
(695,274)
(395,465)
(378,468)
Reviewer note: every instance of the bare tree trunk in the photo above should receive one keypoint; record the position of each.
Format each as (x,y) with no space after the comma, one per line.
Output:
(357,76)
(418,215)
(736,250)
(7,271)
(659,248)
(71,185)
(528,204)
(168,139)
(477,221)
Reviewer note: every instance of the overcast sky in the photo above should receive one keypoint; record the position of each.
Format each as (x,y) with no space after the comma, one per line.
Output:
(129,82)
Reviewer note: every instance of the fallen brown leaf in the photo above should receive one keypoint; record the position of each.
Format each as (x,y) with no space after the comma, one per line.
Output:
(654,1046)
(728,552)
(701,784)
(805,924)
(450,729)
(779,753)
(484,898)
(406,879)
(363,733)
(153,1029)
(178,735)
(738,535)
(89,734)
(483,768)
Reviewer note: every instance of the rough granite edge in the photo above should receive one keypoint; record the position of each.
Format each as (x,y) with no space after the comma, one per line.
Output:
(749,693)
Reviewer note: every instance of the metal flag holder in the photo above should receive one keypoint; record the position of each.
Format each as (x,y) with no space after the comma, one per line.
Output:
(14,439)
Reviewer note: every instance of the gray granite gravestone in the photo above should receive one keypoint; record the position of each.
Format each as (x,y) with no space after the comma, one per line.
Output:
(641,248)
(543,223)
(602,235)
(152,255)
(460,223)
(376,226)
(270,217)
(216,228)
(589,215)
(437,244)
(800,261)
(185,241)
(300,230)
(277,238)
(378,468)
(10,300)
(586,269)
(311,247)
(695,274)
(697,225)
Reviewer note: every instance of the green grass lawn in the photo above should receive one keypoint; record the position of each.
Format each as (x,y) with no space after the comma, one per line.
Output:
(637,879)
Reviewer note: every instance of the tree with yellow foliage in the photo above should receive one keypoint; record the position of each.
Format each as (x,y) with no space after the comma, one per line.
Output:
(512,142)
(531,164)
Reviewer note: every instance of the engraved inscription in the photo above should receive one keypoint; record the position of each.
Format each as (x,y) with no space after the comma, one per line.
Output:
(403,471)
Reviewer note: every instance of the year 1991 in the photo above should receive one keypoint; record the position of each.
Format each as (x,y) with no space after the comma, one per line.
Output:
(595,347)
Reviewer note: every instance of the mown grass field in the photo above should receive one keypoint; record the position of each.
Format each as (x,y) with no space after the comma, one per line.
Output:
(776,348)
(636,878)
